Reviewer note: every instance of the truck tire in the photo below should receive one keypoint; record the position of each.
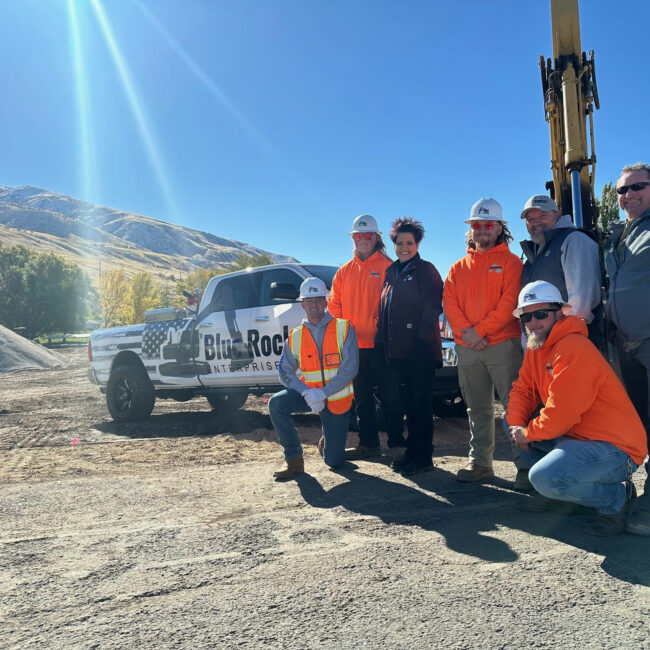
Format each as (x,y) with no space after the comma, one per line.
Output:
(129,394)
(227,400)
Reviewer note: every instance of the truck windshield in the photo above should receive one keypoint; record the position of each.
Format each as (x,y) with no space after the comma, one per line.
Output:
(325,273)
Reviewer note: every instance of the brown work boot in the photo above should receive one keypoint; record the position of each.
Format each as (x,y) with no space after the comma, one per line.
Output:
(321,446)
(294,466)
(473,473)
(361,451)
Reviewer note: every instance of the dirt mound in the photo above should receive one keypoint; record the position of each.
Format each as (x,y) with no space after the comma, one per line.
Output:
(19,353)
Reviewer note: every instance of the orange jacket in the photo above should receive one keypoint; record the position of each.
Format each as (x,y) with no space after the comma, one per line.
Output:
(481,292)
(355,293)
(582,397)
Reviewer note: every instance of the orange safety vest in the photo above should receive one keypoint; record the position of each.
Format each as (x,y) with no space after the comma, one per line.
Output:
(316,374)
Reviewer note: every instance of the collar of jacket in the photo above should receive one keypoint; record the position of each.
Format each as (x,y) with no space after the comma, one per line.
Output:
(568,325)
(369,259)
(499,248)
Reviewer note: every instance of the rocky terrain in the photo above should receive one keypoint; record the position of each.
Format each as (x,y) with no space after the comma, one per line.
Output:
(172,533)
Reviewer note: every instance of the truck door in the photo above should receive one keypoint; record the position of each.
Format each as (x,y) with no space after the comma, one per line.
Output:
(272,321)
(224,356)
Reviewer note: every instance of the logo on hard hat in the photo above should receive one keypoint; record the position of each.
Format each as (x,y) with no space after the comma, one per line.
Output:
(362,223)
(530,296)
(483,211)
(313,290)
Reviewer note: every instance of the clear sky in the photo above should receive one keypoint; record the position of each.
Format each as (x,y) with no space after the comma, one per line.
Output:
(276,122)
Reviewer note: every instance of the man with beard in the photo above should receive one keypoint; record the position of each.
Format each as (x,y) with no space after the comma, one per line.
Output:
(479,296)
(559,253)
(570,416)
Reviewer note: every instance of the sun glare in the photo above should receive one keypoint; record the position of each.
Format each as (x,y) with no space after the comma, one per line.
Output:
(81,86)
(136,108)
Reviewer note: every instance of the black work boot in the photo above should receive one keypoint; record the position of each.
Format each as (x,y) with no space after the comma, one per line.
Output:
(607,525)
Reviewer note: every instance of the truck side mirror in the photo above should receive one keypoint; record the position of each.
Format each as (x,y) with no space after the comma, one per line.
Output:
(284,291)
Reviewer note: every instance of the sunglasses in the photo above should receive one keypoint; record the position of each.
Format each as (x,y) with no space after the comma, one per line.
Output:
(635,186)
(540,314)
(358,236)
(477,225)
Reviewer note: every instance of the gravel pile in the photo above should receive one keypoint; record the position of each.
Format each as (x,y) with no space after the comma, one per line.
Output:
(18,353)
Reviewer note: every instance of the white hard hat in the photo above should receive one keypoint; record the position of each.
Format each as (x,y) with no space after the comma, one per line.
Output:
(313,288)
(365,223)
(539,292)
(541,202)
(486,210)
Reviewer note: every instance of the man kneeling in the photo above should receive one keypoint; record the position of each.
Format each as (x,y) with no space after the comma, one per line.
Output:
(324,350)
(571,417)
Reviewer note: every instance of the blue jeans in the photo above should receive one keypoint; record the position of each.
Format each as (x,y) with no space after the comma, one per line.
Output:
(587,472)
(335,427)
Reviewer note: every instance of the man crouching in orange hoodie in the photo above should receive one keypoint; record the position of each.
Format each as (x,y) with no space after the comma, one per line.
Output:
(570,416)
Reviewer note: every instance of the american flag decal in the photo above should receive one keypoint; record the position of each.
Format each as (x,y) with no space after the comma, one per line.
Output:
(155,334)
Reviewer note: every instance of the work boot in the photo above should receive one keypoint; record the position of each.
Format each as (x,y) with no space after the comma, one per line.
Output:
(361,451)
(294,466)
(522,483)
(638,522)
(608,525)
(535,503)
(414,467)
(321,446)
(474,472)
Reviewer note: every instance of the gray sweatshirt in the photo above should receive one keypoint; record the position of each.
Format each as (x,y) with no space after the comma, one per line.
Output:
(347,370)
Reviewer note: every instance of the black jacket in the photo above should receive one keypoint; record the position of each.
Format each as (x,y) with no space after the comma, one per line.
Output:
(409,311)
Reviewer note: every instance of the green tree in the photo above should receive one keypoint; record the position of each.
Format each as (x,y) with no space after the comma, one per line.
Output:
(608,204)
(41,292)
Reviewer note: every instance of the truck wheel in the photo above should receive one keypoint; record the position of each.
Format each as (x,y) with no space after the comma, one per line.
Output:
(449,406)
(227,400)
(129,394)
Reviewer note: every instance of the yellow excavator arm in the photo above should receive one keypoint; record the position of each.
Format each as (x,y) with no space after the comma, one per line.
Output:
(570,94)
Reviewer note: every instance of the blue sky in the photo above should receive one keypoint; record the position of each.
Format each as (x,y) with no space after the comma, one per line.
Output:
(276,122)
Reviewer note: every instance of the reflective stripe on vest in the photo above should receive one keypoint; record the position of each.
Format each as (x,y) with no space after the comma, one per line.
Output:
(316,374)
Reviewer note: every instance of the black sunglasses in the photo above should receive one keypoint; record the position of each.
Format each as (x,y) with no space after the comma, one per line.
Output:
(635,186)
(540,314)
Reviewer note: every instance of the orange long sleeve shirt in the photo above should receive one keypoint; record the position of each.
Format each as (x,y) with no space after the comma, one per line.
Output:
(481,292)
(582,396)
(355,294)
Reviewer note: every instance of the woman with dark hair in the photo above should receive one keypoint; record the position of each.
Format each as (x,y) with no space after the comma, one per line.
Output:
(409,331)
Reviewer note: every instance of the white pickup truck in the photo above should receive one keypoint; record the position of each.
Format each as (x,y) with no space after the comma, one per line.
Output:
(228,349)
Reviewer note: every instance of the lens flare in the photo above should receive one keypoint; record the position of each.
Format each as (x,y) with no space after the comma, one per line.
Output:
(83,107)
(136,108)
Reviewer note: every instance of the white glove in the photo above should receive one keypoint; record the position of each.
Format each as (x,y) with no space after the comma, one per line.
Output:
(317,407)
(314,395)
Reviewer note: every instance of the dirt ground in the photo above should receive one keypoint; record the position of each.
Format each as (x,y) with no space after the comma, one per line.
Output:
(172,533)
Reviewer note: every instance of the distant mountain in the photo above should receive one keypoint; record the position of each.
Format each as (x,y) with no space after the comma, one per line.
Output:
(97,237)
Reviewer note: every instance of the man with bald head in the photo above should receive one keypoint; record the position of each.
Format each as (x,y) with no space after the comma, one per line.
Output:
(628,306)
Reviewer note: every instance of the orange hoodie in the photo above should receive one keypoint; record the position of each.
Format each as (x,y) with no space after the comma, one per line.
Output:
(582,397)
(355,293)
(481,292)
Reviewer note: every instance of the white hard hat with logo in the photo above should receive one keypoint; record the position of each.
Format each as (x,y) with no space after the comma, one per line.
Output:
(486,210)
(365,223)
(537,293)
(313,288)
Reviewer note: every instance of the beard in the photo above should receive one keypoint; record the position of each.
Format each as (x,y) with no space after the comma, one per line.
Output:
(538,238)
(536,341)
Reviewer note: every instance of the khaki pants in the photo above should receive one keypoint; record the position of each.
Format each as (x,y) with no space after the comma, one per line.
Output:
(479,373)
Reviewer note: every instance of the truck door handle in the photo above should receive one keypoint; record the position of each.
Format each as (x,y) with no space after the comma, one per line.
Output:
(261,318)
(204,325)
